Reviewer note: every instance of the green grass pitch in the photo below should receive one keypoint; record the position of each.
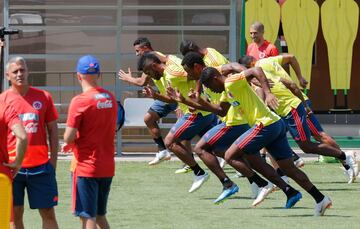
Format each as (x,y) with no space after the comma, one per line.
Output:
(154,197)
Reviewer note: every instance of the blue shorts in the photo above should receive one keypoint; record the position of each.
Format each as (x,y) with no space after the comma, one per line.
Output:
(162,108)
(313,123)
(190,125)
(296,124)
(91,196)
(272,137)
(220,137)
(40,184)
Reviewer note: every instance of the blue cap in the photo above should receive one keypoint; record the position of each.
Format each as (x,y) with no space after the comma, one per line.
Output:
(88,65)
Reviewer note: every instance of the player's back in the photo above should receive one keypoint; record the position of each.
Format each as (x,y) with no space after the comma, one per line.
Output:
(213,58)
(242,97)
(94,114)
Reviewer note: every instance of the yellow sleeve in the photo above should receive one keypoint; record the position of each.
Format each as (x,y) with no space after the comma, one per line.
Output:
(223,97)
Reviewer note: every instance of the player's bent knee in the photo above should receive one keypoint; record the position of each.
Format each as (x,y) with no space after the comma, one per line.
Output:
(307,147)
(169,141)
(199,149)
(149,119)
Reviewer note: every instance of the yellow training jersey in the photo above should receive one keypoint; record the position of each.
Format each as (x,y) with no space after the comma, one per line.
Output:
(213,58)
(161,83)
(245,101)
(277,60)
(274,71)
(176,76)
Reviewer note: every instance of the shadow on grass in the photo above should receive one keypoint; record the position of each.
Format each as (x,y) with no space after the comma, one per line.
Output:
(232,198)
(271,208)
(330,182)
(338,189)
(287,209)
(305,215)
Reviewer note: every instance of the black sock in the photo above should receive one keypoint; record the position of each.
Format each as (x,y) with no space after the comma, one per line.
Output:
(263,156)
(316,194)
(342,156)
(259,181)
(250,180)
(295,156)
(226,182)
(160,143)
(289,191)
(280,172)
(197,170)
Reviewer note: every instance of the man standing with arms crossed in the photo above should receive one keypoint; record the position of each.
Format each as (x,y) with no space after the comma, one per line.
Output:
(36,110)
(90,133)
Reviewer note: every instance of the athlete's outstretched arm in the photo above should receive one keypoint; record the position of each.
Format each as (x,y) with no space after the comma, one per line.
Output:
(149,92)
(291,59)
(127,77)
(231,68)
(295,90)
(220,109)
(258,73)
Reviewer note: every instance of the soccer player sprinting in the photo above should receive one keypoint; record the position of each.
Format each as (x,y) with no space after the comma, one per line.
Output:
(293,108)
(267,130)
(211,58)
(192,123)
(220,137)
(158,109)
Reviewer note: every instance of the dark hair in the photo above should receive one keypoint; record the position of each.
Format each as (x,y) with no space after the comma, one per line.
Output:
(192,58)
(246,61)
(146,59)
(188,46)
(143,41)
(208,73)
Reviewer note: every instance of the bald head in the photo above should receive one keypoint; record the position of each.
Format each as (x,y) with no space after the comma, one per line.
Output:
(258,26)
(257,32)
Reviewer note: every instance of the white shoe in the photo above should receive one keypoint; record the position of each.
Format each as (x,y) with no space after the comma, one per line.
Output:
(163,155)
(299,163)
(322,206)
(263,193)
(355,164)
(254,190)
(350,161)
(198,181)
(350,175)
(222,162)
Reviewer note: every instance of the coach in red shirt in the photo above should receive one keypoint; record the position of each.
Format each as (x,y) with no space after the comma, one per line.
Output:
(90,134)
(260,48)
(36,110)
